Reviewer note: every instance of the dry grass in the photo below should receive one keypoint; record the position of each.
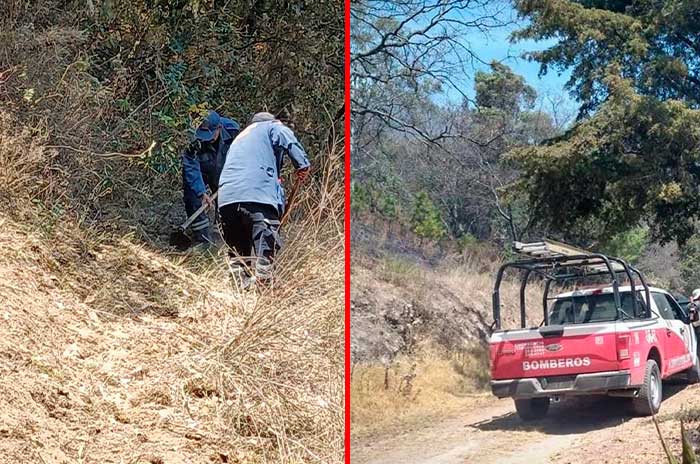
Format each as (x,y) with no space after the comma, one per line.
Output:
(432,384)
(449,371)
(113,347)
(114,350)
(398,271)
(473,285)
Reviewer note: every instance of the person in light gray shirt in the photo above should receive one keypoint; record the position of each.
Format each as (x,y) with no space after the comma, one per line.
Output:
(251,197)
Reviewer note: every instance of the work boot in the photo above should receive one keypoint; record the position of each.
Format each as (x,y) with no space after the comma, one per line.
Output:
(241,274)
(201,236)
(201,240)
(263,270)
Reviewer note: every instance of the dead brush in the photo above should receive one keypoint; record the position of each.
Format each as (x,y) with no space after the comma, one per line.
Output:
(135,334)
(277,373)
(452,363)
(260,373)
(414,389)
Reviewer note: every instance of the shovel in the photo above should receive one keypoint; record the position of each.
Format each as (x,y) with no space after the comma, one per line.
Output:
(179,237)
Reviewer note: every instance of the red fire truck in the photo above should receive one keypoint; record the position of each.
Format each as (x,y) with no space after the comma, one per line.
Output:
(617,337)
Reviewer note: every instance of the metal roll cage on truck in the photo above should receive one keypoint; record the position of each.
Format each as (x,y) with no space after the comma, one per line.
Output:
(606,339)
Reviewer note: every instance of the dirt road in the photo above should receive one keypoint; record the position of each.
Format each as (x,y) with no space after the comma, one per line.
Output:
(591,430)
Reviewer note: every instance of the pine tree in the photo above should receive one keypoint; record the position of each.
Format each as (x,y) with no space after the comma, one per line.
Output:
(426,221)
(634,155)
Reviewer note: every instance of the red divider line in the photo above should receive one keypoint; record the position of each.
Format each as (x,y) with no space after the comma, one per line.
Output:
(347,231)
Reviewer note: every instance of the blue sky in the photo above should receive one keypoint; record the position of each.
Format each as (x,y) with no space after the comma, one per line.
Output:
(495,45)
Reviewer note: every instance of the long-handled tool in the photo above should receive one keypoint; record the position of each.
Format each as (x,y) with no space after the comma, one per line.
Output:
(291,201)
(179,237)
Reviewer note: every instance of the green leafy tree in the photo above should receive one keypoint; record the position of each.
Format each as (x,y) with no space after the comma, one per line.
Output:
(628,245)
(654,44)
(635,160)
(426,221)
(503,90)
(504,118)
(633,157)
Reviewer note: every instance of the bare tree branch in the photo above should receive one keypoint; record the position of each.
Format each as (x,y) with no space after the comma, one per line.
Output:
(409,44)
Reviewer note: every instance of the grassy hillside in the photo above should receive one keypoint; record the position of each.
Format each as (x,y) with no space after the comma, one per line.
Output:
(419,333)
(117,351)
(114,347)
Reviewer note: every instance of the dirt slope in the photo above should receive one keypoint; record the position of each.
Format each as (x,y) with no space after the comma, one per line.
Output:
(397,303)
(79,383)
(591,430)
(114,353)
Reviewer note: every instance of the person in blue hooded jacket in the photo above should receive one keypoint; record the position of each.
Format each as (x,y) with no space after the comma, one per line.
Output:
(202,162)
(251,197)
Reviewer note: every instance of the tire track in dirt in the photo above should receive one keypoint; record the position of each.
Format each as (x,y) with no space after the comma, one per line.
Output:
(573,432)
(486,436)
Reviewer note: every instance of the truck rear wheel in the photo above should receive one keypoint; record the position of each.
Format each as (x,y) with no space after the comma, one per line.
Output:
(532,408)
(648,400)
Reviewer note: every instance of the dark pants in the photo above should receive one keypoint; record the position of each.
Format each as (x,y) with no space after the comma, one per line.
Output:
(249,227)
(210,176)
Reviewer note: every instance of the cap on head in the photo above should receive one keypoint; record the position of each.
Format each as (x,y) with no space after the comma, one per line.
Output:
(207,129)
(262,116)
(231,126)
(696,295)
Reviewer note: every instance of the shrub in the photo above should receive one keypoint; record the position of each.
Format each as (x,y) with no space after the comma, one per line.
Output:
(467,242)
(425,220)
(628,245)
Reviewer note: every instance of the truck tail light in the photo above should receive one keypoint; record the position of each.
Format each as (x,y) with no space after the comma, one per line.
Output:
(623,346)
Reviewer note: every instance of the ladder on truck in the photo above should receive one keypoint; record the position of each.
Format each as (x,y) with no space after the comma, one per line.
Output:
(552,249)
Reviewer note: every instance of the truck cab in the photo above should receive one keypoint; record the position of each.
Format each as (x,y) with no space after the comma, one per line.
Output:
(610,339)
